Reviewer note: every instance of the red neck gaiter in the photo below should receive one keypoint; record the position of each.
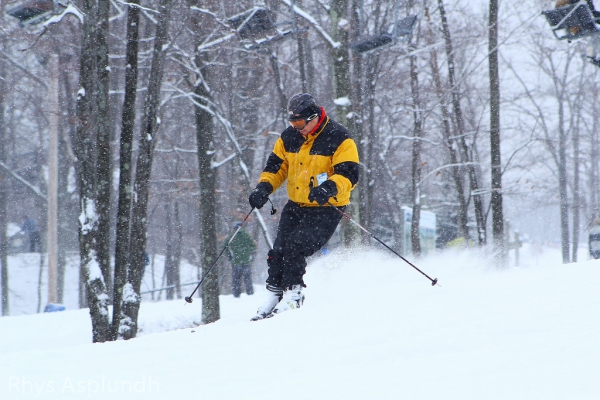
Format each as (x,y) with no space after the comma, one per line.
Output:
(318,125)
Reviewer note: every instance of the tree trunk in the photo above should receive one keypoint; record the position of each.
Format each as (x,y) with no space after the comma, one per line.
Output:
(3,199)
(305,64)
(170,256)
(357,123)
(301,43)
(97,297)
(340,60)
(103,170)
(305,52)
(562,184)
(125,168)
(52,186)
(370,138)
(594,185)
(576,160)
(139,213)
(177,247)
(66,221)
(278,84)
(208,230)
(63,215)
(416,160)
(40,283)
(576,198)
(496,201)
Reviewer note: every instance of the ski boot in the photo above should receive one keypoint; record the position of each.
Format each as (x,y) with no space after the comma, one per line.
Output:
(274,296)
(292,299)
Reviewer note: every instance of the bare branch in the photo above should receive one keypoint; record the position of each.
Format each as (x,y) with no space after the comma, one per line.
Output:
(32,188)
(313,22)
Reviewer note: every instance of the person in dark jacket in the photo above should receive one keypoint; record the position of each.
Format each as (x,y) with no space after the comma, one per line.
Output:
(31,229)
(319,160)
(240,253)
(594,240)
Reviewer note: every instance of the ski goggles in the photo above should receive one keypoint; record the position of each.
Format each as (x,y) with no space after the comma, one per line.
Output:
(301,122)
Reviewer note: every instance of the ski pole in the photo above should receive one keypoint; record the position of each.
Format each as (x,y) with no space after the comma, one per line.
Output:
(189,298)
(433,281)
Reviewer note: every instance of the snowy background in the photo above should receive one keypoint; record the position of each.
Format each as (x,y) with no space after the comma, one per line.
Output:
(371,327)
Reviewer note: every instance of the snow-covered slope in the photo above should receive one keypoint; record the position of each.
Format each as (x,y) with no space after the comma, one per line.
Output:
(371,328)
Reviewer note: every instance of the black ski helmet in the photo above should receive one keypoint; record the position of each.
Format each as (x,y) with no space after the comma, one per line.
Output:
(302,106)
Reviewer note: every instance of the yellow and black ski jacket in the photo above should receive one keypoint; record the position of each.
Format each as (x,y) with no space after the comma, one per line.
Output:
(329,153)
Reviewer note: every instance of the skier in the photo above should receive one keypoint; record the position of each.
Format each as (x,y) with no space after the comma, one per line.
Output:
(594,240)
(31,229)
(319,159)
(240,253)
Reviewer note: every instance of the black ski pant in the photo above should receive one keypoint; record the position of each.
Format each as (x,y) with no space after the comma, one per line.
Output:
(35,240)
(239,272)
(302,231)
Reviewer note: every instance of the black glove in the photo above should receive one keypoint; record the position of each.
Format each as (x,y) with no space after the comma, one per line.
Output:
(260,195)
(323,192)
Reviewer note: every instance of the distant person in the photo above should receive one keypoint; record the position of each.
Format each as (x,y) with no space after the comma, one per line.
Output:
(240,252)
(594,240)
(30,228)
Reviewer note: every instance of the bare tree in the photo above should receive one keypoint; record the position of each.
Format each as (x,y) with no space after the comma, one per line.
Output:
(556,65)
(462,214)
(577,107)
(466,153)
(103,160)
(125,168)
(3,192)
(339,13)
(496,202)
(149,129)
(415,236)
(85,149)
(173,252)
(204,136)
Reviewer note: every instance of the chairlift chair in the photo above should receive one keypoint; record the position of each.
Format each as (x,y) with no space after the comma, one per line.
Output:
(402,30)
(572,22)
(252,23)
(31,12)
(256,29)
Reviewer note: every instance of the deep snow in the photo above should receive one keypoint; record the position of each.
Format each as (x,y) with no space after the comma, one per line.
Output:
(371,328)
